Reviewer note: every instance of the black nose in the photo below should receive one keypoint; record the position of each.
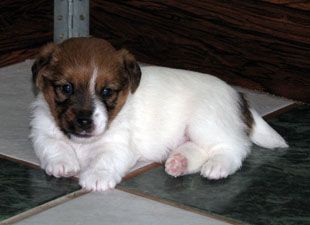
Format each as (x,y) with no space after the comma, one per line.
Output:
(83,119)
(83,122)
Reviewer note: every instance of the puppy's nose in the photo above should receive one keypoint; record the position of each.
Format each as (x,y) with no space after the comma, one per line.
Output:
(84,123)
(84,119)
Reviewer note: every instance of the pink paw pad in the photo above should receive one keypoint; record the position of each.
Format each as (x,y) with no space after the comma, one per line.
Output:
(176,165)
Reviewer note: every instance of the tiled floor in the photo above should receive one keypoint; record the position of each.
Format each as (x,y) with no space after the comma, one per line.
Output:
(24,187)
(273,185)
(271,188)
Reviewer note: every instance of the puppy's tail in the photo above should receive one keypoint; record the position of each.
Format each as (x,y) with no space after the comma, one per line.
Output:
(264,135)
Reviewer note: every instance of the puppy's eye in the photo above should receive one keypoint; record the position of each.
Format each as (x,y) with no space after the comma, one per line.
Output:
(106,92)
(67,89)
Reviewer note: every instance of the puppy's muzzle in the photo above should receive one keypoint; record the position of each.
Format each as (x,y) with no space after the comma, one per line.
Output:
(84,123)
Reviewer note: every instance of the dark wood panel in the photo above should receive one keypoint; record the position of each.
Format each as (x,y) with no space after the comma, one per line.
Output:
(262,45)
(297,4)
(24,27)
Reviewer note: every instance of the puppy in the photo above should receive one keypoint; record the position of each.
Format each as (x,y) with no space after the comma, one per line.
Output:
(97,113)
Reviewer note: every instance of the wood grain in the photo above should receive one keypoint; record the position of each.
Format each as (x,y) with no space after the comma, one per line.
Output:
(24,27)
(262,45)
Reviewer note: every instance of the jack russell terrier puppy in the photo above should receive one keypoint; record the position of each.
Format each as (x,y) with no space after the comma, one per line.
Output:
(98,113)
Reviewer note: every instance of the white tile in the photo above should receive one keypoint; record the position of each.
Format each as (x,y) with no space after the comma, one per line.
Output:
(264,103)
(15,98)
(116,207)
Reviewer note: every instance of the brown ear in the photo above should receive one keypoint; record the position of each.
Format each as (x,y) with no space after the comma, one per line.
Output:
(132,68)
(44,58)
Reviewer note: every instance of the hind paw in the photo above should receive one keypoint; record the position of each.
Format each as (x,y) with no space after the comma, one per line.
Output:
(219,167)
(176,165)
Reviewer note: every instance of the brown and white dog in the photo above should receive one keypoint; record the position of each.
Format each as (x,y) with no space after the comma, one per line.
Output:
(98,113)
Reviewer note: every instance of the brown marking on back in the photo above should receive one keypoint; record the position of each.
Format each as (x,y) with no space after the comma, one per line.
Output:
(246,114)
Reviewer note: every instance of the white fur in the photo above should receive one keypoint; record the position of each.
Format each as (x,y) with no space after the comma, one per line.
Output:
(192,119)
(92,83)
(100,115)
(259,134)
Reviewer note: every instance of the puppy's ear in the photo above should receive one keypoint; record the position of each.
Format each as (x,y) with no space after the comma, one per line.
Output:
(44,58)
(132,68)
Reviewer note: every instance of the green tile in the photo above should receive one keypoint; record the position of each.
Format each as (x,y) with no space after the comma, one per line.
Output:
(273,186)
(23,187)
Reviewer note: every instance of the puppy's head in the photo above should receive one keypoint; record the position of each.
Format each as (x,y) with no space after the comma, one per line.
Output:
(85,83)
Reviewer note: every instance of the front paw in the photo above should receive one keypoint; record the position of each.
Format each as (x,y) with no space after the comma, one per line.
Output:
(62,168)
(92,180)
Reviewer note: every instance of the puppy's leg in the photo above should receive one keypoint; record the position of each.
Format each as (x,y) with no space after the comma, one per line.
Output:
(223,160)
(107,167)
(224,141)
(186,159)
(214,162)
(56,156)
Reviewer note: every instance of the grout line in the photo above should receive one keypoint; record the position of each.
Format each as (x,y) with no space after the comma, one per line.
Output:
(140,171)
(281,110)
(180,206)
(43,207)
(28,164)
(19,161)
(128,176)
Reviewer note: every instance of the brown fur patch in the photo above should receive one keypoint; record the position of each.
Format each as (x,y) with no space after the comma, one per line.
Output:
(246,113)
(73,62)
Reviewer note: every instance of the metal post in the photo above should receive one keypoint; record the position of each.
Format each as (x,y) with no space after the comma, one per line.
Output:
(71,19)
